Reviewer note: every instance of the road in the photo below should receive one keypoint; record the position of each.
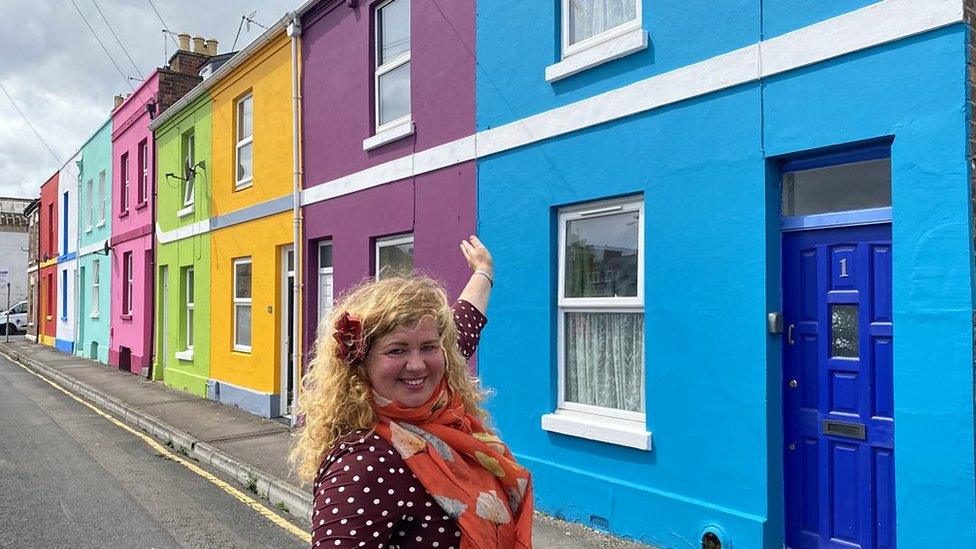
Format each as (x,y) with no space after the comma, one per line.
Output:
(71,478)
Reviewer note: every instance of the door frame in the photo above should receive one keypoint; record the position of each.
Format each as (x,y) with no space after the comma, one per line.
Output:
(164,307)
(284,369)
(834,156)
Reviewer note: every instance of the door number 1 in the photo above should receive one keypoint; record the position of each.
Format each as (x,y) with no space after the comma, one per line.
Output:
(843,268)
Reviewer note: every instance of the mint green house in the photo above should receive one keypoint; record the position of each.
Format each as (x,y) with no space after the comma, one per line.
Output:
(184,173)
(94,232)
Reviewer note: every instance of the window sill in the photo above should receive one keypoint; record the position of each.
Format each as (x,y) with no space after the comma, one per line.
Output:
(124,214)
(608,50)
(631,434)
(186,355)
(241,185)
(401,130)
(142,205)
(88,229)
(48,317)
(93,316)
(242,349)
(125,317)
(185,211)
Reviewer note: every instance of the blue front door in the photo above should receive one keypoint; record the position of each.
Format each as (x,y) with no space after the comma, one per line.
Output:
(837,388)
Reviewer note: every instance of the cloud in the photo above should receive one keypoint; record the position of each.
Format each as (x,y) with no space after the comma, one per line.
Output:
(64,82)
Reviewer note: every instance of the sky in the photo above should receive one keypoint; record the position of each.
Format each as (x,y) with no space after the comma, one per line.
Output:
(61,79)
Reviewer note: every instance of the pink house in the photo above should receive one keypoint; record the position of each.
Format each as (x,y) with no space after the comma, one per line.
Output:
(134,191)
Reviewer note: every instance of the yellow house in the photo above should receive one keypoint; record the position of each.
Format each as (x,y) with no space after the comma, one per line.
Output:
(252,228)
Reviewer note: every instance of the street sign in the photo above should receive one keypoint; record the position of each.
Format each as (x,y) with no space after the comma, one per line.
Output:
(4,276)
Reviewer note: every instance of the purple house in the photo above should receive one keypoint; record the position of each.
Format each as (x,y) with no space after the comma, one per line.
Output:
(388,98)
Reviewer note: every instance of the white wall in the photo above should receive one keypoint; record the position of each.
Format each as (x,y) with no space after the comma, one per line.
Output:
(13,256)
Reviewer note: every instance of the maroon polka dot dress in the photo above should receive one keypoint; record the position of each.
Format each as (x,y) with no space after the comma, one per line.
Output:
(366,496)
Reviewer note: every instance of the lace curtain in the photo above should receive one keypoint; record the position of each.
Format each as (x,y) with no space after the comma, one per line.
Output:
(604,359)
(589,18)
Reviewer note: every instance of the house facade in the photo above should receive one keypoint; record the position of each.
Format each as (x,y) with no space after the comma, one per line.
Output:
(251,224)
(94,234)
(184,172)
(33,214)
(67,228)
(14,259)
(48,261)
(134,185)
(717,243)
(383,85)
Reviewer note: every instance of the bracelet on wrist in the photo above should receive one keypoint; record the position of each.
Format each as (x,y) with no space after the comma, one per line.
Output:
(491,281)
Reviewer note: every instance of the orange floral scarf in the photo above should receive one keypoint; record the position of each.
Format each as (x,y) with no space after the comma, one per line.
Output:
(467,469)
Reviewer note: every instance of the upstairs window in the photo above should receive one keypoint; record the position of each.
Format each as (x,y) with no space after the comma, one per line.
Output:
(189,170)
(124,184)
(392,70)
(245,138)
(90,203)
(101,196)
(64,223)
(143,172)
(586,22)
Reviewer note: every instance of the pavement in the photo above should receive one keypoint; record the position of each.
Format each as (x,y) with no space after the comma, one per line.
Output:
(235,443)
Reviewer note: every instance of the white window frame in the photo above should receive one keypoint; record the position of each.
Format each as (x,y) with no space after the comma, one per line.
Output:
(124,165)
(128,263)
(101,195)
(189,159)
(322,272)
(143,149)
(90,199)
(622,427)
(380,70)
(95,288)
(613,43)
(189,296)
(241,302)
(240,184)
(386,242)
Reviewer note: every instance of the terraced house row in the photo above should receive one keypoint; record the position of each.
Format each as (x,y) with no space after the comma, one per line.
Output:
(709,221)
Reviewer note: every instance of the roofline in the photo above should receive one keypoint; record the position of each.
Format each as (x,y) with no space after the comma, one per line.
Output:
(223,71)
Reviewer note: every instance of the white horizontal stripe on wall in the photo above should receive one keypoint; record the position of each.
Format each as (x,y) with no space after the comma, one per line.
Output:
(871,26)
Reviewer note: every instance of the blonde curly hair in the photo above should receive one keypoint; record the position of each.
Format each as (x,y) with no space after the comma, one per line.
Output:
(336,397)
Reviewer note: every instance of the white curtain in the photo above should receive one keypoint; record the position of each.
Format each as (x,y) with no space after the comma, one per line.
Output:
(591,17)
(604,359)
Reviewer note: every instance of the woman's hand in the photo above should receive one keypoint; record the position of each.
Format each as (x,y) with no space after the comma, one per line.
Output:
(478,289)
(477,255)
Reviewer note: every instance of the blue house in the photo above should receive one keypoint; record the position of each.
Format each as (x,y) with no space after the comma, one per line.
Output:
(737,310)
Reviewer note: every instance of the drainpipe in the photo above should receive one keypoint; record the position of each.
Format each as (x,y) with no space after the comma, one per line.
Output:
(295,32)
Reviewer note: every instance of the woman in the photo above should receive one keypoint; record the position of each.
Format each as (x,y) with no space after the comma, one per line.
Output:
(394,436)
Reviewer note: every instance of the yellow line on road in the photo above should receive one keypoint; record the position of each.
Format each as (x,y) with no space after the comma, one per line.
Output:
(244,498)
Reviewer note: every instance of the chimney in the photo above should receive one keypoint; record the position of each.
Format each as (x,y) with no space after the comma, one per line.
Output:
(188,62)
(118,101)
(211,46)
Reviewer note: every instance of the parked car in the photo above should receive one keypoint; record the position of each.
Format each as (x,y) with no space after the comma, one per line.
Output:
(14,320)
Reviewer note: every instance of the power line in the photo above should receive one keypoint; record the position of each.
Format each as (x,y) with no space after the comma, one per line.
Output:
(170,33)
(109,25)
(97,39)
(31,126)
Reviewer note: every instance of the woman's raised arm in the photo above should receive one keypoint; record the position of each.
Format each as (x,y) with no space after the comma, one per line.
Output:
(478,288)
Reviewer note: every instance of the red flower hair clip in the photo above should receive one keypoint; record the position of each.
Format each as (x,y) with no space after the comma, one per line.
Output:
(348,334)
